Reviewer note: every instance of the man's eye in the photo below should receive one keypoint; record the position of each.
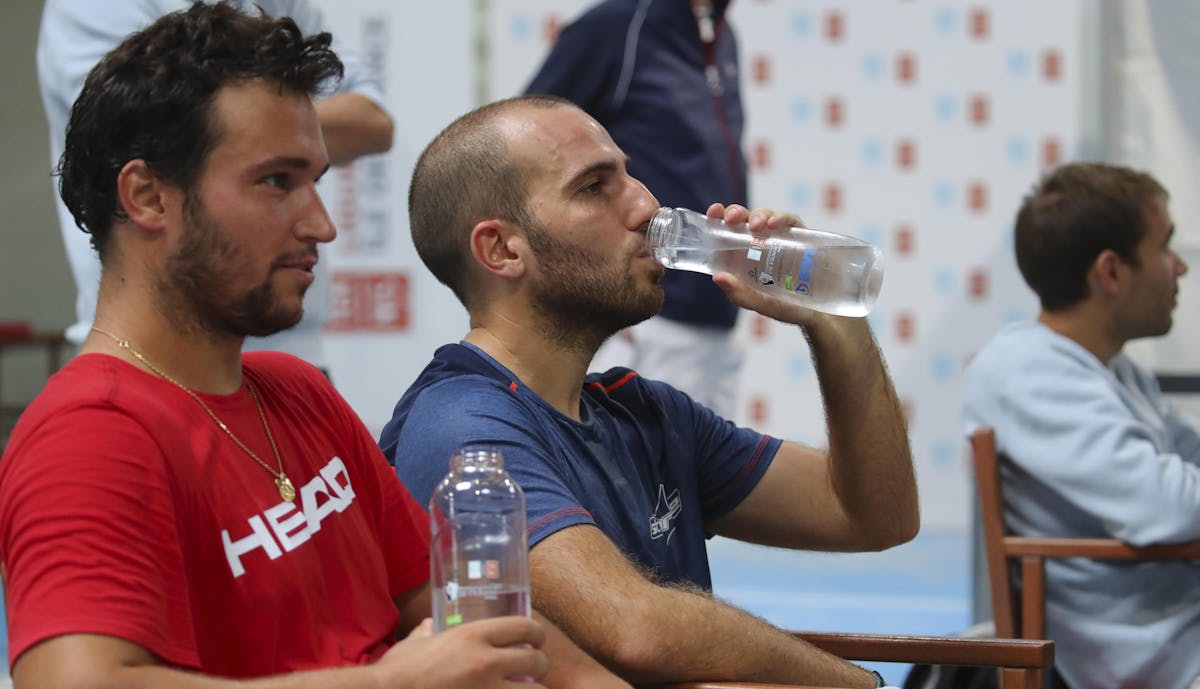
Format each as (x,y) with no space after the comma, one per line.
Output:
(594,188)
(279,181)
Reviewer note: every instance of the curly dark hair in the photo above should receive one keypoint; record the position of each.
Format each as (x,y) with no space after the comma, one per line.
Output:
(151,98)
(1075,212)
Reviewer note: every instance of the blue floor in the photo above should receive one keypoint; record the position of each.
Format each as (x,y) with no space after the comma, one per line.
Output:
(922,587)
(919,588)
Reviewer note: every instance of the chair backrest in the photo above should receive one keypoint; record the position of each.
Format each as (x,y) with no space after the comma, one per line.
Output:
(1023,615)
(991,512)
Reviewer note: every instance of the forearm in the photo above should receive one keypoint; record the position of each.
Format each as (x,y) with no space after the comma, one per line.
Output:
(871,464)
(353,126)
(152,676)
(570,666)
(669,634)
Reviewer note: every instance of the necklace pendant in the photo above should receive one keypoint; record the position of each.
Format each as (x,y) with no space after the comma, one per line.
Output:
(286,490)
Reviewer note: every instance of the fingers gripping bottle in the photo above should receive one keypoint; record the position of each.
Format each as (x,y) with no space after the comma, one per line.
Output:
(820,270)
(479,561)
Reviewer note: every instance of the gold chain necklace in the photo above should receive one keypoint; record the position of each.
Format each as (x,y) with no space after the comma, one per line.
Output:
(286,490)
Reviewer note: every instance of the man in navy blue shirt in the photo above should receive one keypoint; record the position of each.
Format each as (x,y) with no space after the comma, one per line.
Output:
(526,210)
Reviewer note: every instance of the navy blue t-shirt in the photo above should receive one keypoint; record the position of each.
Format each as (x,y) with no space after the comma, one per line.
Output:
(646,464)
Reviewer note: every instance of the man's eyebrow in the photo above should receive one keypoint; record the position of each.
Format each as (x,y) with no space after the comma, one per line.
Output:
(608,166)
(291,162)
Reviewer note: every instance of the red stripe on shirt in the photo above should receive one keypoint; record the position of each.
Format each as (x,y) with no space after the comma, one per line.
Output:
(745,471)
(609,388)
(559,514)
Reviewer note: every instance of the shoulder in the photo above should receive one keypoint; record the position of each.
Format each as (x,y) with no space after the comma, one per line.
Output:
(1028,349)
(285,368)
(97,382)
(627,387)
(461,385)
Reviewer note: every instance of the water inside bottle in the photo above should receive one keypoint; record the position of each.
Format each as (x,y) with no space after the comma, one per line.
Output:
(842,280)
(456,605)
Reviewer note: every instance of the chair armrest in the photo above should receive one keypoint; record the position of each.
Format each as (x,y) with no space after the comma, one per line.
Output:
(1037,654)
(1097,548)
(935,650)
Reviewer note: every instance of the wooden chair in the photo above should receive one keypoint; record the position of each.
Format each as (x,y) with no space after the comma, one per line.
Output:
(1022,662)
(1023,615)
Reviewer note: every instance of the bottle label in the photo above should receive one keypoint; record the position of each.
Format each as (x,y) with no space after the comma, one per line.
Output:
(804,275)
(755,251)
(782,266)
(483,569)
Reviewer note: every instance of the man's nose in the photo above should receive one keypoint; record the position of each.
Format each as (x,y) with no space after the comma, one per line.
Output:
(644,204)
(316,225)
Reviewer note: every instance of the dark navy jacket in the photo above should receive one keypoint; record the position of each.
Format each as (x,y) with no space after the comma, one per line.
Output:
(640,68)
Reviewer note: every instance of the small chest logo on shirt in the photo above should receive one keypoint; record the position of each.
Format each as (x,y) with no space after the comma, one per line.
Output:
(292,524)
(662,522)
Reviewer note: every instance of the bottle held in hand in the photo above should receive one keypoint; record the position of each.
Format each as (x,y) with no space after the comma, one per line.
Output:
(820,270)
(479,560)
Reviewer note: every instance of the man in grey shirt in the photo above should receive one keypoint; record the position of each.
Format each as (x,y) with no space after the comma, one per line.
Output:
(1091,447)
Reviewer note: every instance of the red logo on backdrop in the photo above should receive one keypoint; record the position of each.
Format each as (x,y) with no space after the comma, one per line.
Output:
(762,69)
(760,326)
(834,111)
(835,26)
(1051,152)
(906,326)
(979,23)
(758,410)
(906,154)
(1051,65)
(370,302)
(762,155)
(551,27)
(980,110)
(833,197)
(905,240)
(977,197)
(977,285)
(906,68)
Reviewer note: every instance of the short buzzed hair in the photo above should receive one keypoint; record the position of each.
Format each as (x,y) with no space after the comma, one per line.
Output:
(465,175)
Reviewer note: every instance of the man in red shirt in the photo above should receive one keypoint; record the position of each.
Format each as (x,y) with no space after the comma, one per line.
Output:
(172,512)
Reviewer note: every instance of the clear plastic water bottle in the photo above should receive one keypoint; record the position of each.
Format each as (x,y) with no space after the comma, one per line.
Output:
(821,270)
(479,560)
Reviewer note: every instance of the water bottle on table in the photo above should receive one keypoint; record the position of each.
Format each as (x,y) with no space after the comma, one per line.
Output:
(820,270)
(479,560)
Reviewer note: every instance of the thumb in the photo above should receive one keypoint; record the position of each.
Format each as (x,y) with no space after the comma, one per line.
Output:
(423,630)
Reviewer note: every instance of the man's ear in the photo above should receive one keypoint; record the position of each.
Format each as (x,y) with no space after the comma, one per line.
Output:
(147,199)
(1108,273)
(499,247)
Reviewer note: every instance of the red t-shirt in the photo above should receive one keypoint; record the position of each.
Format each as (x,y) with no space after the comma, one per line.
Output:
(126,511)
